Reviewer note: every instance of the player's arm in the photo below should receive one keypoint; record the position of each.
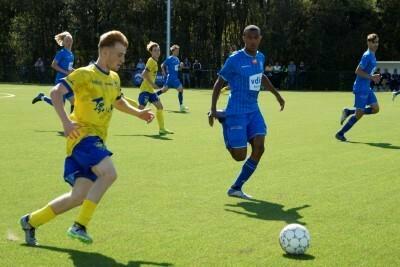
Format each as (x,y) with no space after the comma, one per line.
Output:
(57,94)
(267,84)
(219,83)
(374,77)
(57,68)
(146,76)
(122,105)
(163,70)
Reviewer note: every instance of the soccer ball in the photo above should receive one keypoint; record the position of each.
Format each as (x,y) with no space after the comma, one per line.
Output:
(294,239)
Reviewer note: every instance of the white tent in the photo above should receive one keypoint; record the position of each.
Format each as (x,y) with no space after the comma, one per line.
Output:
(389,65)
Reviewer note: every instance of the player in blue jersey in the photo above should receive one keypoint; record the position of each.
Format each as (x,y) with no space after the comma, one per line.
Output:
(170,67)
(242,120)
(62,63)
(365,102)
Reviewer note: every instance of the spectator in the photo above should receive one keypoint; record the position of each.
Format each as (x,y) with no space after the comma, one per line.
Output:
(394,83)
(291,75)
(39,69)
(140,65)
(268,70)
(186,73)
(276,75)
(377,86)
(197,73)
(302,74)
(386,78)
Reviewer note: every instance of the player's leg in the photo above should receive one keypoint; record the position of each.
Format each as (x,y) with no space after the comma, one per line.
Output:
(94,159)
(160,115)
(179,88)
(373,106)
(395,94)
(256,131)
(42,97)
(360,102)
(143,99)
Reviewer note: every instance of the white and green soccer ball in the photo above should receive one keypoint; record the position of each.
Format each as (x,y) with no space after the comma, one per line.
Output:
(294,239)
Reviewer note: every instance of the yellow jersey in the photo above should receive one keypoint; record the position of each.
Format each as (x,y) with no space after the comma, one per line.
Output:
(95,93)
(152,67)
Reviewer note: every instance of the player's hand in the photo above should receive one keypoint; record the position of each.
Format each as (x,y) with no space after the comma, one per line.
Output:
(376,78)
(281,102)
(211,117)
(146,115)
(71,129)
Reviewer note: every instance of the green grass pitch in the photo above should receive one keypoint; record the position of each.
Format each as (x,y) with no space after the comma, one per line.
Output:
(169,204)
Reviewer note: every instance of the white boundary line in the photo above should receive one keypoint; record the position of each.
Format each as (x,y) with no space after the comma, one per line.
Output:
(6,95)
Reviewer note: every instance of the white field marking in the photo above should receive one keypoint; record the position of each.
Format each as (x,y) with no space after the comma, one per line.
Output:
(6,95)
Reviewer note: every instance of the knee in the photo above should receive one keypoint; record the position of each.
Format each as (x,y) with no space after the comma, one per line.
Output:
(359,114)
(111,176)
(77,198)
(375,109)
(238,156)
(259,149)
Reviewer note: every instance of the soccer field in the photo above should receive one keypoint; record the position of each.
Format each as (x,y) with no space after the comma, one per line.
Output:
(169,204)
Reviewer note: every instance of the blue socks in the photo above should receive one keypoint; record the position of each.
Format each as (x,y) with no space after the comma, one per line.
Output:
(348,125)
(247,170)
(368,111)
(47,100)
(180,97)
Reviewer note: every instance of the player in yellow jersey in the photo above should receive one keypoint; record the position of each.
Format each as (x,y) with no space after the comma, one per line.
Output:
(147,93)
(88,167)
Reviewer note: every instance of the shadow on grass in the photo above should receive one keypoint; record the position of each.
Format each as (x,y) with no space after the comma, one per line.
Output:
(381,145)
(264,210)
(176,111)
(84,259)
(59,133)
(304,257)
(153,136)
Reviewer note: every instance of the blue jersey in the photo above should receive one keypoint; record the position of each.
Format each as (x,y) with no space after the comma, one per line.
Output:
(65,59)
(243,73)
(172,64)
(368,65)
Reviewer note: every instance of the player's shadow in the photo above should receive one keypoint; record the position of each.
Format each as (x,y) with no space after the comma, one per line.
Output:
(264,210)
(176,111)
(84,259)
(153,136)
(381,145)
(59,133)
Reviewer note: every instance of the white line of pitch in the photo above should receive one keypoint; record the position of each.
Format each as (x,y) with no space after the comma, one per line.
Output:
(6,95)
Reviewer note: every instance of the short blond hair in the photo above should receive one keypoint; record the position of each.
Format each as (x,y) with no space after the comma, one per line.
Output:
(109,39)
(372,37)
(174,47)
(151,45)
(60,37)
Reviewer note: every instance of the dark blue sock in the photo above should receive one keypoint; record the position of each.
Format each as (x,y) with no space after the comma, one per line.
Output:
(350,111)
(348,125)
(247,170)
(180,97)
(159,92)
(72,108)
(368,111)
(47,100)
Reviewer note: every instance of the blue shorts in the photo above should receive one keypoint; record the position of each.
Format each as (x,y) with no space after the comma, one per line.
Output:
(240,129)
(363,99)
(67,95)
(173,83)
(145,97)
(86,154)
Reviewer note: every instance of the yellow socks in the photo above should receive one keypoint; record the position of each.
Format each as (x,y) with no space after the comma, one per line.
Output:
(41,216)
(132,102)
(160,118)
(86,212)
